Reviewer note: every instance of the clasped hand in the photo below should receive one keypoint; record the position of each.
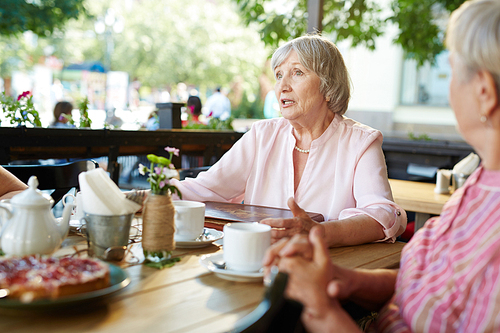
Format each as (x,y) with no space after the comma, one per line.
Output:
(313,279)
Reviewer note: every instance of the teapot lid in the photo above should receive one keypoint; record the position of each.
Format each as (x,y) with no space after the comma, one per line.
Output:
(32,196)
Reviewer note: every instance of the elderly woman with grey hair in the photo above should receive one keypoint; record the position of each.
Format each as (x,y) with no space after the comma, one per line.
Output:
(448,279)
(313,158)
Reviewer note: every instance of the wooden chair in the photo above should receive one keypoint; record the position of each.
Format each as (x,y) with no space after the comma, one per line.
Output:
(275,313)
(58,177)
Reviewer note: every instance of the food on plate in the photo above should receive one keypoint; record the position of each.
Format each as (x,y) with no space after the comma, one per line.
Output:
(33,277)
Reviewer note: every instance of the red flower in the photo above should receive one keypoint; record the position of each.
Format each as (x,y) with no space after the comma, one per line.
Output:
(211,114)
(24,94)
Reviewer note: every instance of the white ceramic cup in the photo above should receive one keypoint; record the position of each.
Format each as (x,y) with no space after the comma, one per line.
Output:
(245,245)
(189,220)
(78,202)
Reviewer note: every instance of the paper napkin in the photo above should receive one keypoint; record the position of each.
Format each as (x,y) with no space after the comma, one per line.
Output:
(101,196)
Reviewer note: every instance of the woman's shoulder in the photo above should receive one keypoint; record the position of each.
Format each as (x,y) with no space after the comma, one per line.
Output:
(270,125)
(358,129)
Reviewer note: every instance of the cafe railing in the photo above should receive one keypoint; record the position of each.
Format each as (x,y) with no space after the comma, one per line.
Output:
(22,143)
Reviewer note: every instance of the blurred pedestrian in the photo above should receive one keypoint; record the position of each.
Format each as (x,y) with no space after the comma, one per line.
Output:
(62,115)
(218,105)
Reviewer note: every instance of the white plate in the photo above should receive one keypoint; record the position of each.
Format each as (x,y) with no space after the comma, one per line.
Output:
(210,236)
(227,274)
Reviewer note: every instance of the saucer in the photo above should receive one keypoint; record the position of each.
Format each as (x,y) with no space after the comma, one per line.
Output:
(209,236)
(228,274)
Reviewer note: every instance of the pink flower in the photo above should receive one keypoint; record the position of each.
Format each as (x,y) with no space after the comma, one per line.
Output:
(211,114)
(172,150)
(24,94)
(158,170)
(162,184)
(192,109)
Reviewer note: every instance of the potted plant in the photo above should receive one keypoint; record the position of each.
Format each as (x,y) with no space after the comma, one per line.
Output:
(158,225)
(20,111)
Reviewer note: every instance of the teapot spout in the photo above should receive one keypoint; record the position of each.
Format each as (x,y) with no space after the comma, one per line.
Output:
(64,224)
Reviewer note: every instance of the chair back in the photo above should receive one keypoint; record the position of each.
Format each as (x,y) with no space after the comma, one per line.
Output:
(192,172)
(58,177)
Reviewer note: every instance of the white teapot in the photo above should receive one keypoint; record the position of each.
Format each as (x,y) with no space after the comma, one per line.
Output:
(31,228)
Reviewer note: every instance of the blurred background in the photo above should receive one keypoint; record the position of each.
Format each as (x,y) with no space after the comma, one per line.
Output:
(126,56)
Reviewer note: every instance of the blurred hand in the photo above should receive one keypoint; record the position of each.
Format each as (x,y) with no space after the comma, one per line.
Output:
(298,245)
(307,262)
(301,223)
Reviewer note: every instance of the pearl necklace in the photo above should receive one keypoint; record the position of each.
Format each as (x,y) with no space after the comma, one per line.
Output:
(305,151)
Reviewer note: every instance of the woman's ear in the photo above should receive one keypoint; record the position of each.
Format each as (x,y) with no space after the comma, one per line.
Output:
(487,93)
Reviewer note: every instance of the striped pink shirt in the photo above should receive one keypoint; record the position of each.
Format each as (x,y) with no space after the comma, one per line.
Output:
(450,271)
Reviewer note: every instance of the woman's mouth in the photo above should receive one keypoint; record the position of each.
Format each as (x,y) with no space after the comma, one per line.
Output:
(287,102)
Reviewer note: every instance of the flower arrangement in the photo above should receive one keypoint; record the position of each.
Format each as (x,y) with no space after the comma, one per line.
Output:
(20,111)
(160,172)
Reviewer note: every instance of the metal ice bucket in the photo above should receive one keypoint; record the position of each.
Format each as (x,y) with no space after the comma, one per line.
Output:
(108,236)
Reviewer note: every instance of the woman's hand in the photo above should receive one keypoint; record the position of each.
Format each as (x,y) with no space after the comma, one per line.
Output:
(301,223)
(310,270)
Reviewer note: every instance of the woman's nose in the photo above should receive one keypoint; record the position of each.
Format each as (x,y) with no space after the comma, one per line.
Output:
(284,84)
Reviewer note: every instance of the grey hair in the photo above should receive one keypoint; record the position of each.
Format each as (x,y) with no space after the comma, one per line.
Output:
(474,35)
(322,57)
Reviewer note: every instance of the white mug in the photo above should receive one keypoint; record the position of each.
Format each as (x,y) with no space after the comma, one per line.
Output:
(189,220)
(245,245)
(78,213)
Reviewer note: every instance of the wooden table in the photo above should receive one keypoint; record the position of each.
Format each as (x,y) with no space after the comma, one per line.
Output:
(419,198)
(183,298)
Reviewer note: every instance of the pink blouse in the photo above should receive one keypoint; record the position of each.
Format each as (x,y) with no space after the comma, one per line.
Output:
(449,279)
(345,174)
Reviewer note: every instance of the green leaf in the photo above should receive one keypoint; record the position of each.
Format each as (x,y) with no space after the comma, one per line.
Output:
(153,158)
(165,263)
(164,161)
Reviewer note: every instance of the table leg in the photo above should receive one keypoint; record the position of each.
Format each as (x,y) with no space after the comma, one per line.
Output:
(420,219)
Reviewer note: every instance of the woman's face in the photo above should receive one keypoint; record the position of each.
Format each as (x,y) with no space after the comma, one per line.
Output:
(297,90)
(462,99)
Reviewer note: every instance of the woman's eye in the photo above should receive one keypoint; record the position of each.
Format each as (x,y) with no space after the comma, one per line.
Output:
(278,76)
(299,72)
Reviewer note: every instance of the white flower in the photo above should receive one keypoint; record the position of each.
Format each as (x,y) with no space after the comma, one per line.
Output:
(170,173)
(142,169)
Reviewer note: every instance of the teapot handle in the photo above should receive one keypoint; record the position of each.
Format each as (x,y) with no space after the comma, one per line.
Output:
(7,210)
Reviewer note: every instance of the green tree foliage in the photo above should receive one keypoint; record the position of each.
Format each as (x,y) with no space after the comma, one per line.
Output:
(41,16)
(163,42)
(360,21)
(421,24)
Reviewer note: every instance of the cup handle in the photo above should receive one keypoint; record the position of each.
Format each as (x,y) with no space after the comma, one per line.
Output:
(68,195)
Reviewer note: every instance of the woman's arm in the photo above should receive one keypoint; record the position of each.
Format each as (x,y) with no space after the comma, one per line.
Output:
(10,185)
(225,181)
(359,229)
(355,230)
(372,192)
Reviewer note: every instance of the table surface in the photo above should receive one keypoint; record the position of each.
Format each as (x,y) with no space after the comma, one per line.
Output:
(182,298)
(417,197)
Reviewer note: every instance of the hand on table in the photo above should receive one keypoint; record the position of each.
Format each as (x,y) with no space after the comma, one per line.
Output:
(301,223)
